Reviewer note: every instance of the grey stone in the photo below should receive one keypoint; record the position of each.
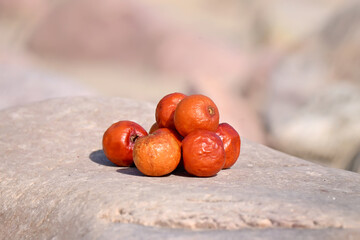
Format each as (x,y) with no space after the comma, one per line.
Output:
(313,107)
(326,128)
(21,84)
(55,182)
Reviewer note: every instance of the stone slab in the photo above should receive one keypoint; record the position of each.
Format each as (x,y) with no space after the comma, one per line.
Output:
(55,182)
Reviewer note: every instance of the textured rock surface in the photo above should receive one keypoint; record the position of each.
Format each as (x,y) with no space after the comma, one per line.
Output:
(56,183)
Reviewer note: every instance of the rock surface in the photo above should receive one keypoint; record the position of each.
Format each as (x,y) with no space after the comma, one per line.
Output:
(55,182)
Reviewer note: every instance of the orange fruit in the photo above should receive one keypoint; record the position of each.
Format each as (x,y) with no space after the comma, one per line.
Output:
(177,136)
(203,153)
(157,154)
(232,142)
(118,142)
(164,113)
(196,112)
(179,139)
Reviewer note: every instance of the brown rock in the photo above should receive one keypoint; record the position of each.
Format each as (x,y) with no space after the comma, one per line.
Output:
(88,29)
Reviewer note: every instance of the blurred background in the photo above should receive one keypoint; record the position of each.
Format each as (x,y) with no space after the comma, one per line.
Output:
(284,73)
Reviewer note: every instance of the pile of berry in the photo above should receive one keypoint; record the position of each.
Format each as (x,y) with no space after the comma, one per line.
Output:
(187,134)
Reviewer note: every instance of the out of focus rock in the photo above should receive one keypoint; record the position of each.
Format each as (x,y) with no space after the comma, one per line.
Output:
(314,98)
(326,128)
(21,84)
(25,9)
(89,29)
(135,34)
(340,40)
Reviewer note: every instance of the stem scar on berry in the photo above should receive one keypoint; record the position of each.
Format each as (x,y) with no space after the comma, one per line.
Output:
(133,138)
(211,110)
